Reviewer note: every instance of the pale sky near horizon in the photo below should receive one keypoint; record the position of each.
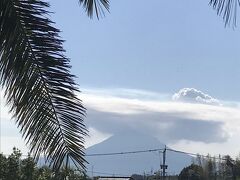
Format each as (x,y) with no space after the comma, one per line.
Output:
(138,56)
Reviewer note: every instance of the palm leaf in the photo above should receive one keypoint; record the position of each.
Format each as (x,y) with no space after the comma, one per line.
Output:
(95,6)
(226,8)
(38,86)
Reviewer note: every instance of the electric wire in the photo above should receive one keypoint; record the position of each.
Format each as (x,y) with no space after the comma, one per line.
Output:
(126,152)
(197,154)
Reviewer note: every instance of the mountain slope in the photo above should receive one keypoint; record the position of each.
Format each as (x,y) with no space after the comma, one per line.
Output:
(129,164)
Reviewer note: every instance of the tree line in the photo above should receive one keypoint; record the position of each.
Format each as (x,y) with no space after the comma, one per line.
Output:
(202,168)
(212,168)
(15,167)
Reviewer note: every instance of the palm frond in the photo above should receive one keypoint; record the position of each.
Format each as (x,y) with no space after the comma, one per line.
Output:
(39,87)
(228,9)
(97,7)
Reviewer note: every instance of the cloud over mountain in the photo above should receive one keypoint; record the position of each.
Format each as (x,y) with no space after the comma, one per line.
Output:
(199,122)
(198,119)
(194,96)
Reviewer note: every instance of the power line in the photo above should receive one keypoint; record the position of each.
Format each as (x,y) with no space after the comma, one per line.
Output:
(196,154)
(183,152)
(160,150)
(126,152)
(155,150)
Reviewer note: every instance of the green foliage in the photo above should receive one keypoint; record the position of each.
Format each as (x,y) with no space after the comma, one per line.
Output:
(14,167)
(28,168)
(97,6)
(192,172)
(237,169)
(39,87)
(215,168)
(228,9)
(3,166)
(44,173)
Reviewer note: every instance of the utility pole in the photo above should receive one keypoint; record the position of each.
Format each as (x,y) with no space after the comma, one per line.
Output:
(164,166)
(164,161)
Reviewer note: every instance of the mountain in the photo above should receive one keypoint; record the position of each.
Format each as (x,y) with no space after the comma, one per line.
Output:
(128,164)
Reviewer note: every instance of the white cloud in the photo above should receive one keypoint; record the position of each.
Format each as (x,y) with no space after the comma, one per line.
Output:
(177,123)
(95,137)
(230,147)
(194,96)
(170,121)
(157,115)
(124,106)
(125,93)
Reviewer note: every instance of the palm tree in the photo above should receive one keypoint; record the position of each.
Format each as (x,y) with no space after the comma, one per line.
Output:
(38,85)
(228,9)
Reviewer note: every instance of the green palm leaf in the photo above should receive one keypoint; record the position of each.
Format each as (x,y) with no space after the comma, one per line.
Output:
(97,6)
(226,8)
(39,88)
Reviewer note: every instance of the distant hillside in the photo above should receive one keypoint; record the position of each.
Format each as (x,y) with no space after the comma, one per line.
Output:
(132,163)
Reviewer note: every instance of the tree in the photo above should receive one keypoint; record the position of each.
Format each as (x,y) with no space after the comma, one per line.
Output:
(13,165)
(3,166)
(17,168)
(192,172)
(44,173)
(38,86)
(228,9)
(237,166)
(223,168)
(28,168)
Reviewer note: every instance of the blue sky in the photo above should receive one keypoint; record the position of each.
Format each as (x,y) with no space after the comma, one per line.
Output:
(159,46)
(136,58)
